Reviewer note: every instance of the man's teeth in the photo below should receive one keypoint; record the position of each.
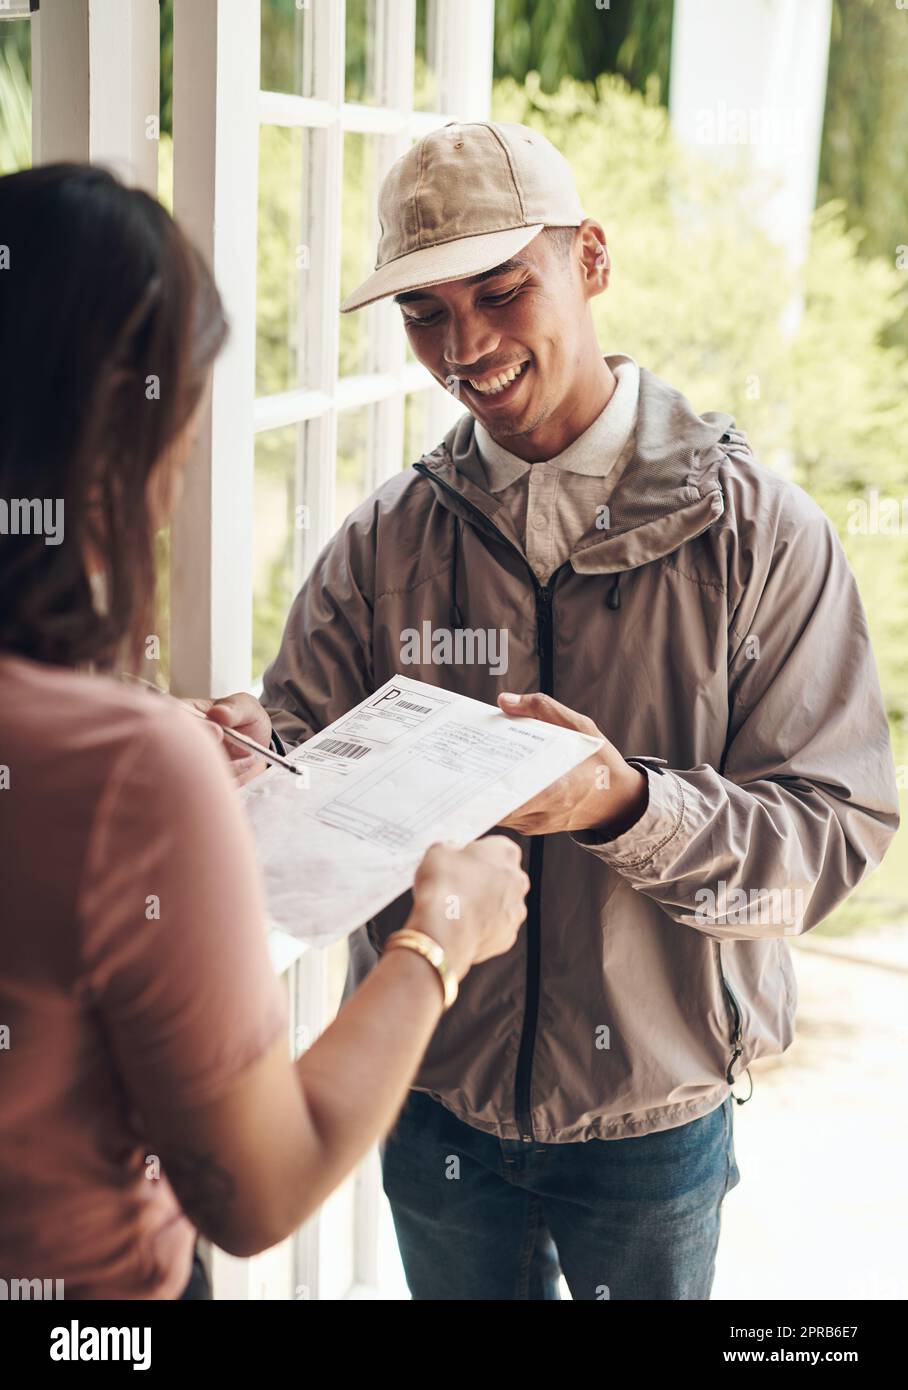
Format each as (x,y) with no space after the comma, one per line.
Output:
(494,384)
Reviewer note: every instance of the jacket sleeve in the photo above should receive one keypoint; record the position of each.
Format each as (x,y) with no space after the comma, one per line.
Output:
(804,803)
(324,665)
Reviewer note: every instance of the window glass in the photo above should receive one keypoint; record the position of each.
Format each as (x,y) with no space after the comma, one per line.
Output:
(284,259)
(360,72)
(280,522)
(425,76)
(287,47)
(15,95)
(355,431)
(359,233)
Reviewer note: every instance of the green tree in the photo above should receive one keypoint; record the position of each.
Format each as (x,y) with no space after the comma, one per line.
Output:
(563,38)
(864,156)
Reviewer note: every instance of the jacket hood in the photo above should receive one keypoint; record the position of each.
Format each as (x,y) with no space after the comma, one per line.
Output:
(669,493)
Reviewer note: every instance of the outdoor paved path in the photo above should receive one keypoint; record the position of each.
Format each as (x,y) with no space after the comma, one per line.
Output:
(821,1208)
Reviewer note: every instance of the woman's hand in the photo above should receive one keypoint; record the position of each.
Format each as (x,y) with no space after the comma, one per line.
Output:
(471,900)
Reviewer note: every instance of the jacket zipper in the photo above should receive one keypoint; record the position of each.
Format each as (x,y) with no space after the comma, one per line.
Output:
(737,1049)
(545,652)
(523,1081)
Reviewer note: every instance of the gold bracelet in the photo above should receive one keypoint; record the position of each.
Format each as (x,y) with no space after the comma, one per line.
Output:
(430,950)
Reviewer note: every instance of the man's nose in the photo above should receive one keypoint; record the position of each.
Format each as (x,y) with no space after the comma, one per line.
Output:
(467,342)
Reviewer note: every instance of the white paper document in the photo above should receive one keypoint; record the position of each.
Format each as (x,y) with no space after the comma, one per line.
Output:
(409,766)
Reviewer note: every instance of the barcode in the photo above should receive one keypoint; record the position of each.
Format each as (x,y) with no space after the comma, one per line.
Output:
(408,704)
(341,749)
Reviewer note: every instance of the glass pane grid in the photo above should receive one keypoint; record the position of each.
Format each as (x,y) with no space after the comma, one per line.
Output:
(288,54)
(274,537)
(297,226)
(282,259)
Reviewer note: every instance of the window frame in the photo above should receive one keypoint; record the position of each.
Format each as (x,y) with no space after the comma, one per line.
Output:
(216,88)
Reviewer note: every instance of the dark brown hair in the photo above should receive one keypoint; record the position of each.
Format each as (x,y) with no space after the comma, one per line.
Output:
(109,323)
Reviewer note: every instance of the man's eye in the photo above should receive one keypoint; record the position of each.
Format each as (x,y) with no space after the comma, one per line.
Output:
(420,319)
(503,297)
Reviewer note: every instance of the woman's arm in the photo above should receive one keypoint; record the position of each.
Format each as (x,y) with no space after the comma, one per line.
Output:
(251,1142)
(249,1168)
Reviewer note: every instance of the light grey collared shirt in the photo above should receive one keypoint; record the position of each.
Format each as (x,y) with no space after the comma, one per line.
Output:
(554,504)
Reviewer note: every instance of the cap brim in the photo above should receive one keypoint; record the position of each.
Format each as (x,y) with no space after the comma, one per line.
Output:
(434,265)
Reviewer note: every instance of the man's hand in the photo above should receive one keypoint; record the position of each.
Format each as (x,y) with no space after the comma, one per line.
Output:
(603,793)
(243,713)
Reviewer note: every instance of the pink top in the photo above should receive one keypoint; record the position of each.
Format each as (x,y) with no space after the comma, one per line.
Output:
(133,963)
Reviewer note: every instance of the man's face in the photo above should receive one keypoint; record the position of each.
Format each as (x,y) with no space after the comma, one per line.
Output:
(513,344)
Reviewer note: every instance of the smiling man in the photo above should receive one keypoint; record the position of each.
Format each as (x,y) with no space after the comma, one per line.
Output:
(574,1110)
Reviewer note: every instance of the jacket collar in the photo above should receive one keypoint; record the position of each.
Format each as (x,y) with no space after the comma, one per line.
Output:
(669,493)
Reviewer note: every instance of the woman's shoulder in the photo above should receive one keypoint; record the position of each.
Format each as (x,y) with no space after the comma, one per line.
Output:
(80,729)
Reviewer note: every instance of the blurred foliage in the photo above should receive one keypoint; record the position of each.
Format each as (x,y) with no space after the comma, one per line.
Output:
(864,153)
(166,86)
(864,157)
(15,95)
(583,40)
(279,282)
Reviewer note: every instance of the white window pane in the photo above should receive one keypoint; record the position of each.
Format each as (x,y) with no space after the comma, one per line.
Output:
(358,246)
(278,520)
(425,76)
(287,46)
(416,428)
(355,435)
(360,53)
(287,200)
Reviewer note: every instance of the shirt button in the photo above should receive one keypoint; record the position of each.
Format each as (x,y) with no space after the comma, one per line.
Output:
(539,521)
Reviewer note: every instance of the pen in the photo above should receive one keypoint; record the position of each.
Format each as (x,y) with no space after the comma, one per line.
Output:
(268,753)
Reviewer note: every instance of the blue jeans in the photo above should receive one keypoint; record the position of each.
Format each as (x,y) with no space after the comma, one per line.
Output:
(484,1218)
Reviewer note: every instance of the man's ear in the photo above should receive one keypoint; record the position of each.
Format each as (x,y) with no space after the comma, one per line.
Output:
(594,257)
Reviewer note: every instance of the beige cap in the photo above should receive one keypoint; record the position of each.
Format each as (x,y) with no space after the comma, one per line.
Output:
(462,200)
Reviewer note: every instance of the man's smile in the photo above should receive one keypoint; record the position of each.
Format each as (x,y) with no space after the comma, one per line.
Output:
(495,385)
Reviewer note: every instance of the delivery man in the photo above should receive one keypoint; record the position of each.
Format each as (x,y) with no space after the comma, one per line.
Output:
(654,584)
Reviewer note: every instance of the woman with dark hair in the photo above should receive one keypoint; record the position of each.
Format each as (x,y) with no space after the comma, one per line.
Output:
(145,1085)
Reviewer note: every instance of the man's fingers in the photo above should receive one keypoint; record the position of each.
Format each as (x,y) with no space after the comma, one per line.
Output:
(202,705)
(228,712)
(544,708)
